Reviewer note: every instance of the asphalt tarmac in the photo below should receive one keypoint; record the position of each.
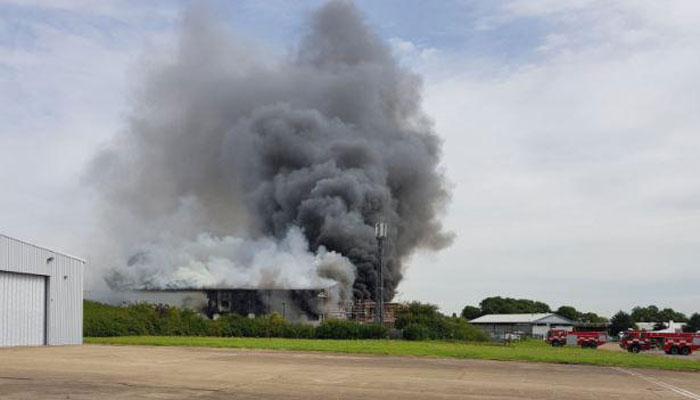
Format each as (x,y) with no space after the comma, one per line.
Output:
(140,372)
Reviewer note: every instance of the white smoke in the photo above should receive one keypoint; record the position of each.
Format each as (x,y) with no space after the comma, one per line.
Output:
(232,262)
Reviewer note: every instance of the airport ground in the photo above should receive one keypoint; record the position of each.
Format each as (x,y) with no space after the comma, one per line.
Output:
(145,372)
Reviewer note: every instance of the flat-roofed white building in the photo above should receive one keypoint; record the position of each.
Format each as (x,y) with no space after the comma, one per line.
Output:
(535,325)
(670,326)
(41,295)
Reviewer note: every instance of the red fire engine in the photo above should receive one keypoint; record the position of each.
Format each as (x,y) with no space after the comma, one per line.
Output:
(560,337)
(671,343)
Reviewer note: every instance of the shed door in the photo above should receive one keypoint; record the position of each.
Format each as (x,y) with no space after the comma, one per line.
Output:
(22,309)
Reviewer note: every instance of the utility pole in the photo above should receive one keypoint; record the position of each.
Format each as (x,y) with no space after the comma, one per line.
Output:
(380,232)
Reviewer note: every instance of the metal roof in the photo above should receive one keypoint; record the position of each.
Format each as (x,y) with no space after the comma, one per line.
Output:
(42,248)
(514,318)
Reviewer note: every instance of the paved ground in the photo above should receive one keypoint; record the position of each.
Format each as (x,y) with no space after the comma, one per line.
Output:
(114,372)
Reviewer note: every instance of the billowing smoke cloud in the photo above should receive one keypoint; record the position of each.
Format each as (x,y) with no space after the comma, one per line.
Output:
(241,169)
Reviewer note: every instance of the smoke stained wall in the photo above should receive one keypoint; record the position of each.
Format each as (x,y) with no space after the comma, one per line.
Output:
(240,169)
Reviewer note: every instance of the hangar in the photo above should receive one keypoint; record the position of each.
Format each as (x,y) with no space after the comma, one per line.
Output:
(532,325)
(41,295)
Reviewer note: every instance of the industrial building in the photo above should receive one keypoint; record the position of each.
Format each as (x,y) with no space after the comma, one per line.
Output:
(531,325)
(41,295)
(308,305)
(669,327)
(302,305)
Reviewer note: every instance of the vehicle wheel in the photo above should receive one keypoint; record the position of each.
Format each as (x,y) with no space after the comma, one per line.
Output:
(594,345)
(636,349)
(685,351)
(674,350)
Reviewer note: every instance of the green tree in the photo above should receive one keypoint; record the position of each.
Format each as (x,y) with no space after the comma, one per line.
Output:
(592,318)
(507,305)
(669,314)
(621,322)
(569,313)
(693,323)
(653,314)
(423,321)
(417,313)
(471,312)
(646,314)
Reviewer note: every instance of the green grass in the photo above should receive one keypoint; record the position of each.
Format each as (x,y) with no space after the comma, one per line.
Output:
(533,351)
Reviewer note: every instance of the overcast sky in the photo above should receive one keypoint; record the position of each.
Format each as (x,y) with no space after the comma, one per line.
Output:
(571,133)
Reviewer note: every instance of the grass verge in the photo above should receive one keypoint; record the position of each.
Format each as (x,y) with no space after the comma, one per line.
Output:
(533,351)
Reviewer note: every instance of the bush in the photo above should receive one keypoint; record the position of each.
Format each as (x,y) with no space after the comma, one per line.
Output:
(416,332)
(418,322)
(422,321)
(338,329)
(103,320)
(234,325)
(459,329)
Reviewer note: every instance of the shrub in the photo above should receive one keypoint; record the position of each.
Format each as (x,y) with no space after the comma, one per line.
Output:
(234,325)
(373,331)
(418,321)
(459,329)
(416,332)
(103,320)
(422,321)
(338,329)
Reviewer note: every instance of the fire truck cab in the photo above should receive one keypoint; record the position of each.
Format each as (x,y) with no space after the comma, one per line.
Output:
(560,337)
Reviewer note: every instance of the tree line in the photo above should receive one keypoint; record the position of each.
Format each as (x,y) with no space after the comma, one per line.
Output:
(623,321)
(619,322)
(508,305)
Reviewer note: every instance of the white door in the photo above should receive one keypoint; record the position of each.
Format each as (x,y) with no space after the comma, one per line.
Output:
(22,309)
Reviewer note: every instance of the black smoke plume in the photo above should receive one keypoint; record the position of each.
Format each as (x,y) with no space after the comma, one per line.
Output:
(240,168)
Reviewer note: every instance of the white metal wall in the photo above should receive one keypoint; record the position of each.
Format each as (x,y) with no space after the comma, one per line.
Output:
(64,280)
(22,309)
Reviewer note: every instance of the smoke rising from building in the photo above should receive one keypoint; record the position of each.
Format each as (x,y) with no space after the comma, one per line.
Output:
(241,169)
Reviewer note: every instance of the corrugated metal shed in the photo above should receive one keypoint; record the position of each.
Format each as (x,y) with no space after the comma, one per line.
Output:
(519,319)
(40,289)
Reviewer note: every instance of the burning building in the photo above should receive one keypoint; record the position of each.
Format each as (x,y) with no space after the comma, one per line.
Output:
(311,305)
(308,305)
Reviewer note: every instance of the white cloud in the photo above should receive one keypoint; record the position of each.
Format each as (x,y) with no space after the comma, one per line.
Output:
(405,49)
(63,87)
